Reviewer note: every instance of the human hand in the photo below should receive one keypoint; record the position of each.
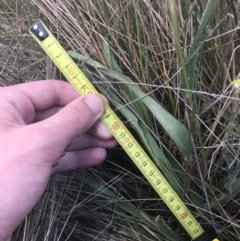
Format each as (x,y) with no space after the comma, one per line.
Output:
(38,121)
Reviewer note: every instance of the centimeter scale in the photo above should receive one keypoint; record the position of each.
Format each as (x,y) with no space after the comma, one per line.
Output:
(83,86)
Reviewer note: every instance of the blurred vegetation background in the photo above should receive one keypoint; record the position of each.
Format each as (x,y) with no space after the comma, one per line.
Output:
(167,68)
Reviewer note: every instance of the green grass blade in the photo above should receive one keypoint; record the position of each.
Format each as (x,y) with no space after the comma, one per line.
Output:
(174,128)
(138,106)
(191,61)
(172,170)
(153,148)
(185,81)
(110,58)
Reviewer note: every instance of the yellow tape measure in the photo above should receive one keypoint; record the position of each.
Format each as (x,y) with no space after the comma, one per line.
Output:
(79,81)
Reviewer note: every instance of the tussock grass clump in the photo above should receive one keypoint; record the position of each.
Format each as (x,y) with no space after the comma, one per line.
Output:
(167,68)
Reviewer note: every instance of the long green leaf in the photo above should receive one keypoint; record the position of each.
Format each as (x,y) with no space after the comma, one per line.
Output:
(172,170)
(138,105)
(110,58)
(192,56)
(175,129)
(153,148)
(172,13)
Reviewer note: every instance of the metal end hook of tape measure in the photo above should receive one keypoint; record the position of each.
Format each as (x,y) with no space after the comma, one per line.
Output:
(39,31)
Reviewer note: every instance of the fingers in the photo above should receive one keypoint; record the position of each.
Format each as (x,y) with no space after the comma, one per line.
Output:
(71,121)
(80,159)
(44,114)
(53,109)
(47,93)
(99,130)
(86,141)
(39,95)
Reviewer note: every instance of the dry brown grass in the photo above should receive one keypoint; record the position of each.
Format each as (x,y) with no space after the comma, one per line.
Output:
(141,38)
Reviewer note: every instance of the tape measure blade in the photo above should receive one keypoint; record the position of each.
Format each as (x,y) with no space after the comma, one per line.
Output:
(83,86)
(64,62)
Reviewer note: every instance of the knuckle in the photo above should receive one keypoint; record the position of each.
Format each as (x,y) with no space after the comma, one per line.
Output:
(77,117)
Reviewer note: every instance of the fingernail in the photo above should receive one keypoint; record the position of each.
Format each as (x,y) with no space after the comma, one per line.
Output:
(94,103)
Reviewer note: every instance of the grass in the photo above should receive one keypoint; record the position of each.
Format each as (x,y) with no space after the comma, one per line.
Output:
(167,68)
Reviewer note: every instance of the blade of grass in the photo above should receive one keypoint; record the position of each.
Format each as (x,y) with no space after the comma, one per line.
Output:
(185,81)
(175,129)
(138,106)
(192,56)
(172,170)
(149,142)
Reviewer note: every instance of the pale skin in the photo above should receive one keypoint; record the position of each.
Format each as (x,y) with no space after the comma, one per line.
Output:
(38,121)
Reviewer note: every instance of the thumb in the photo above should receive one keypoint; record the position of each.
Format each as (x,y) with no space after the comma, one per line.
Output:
(74,119)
